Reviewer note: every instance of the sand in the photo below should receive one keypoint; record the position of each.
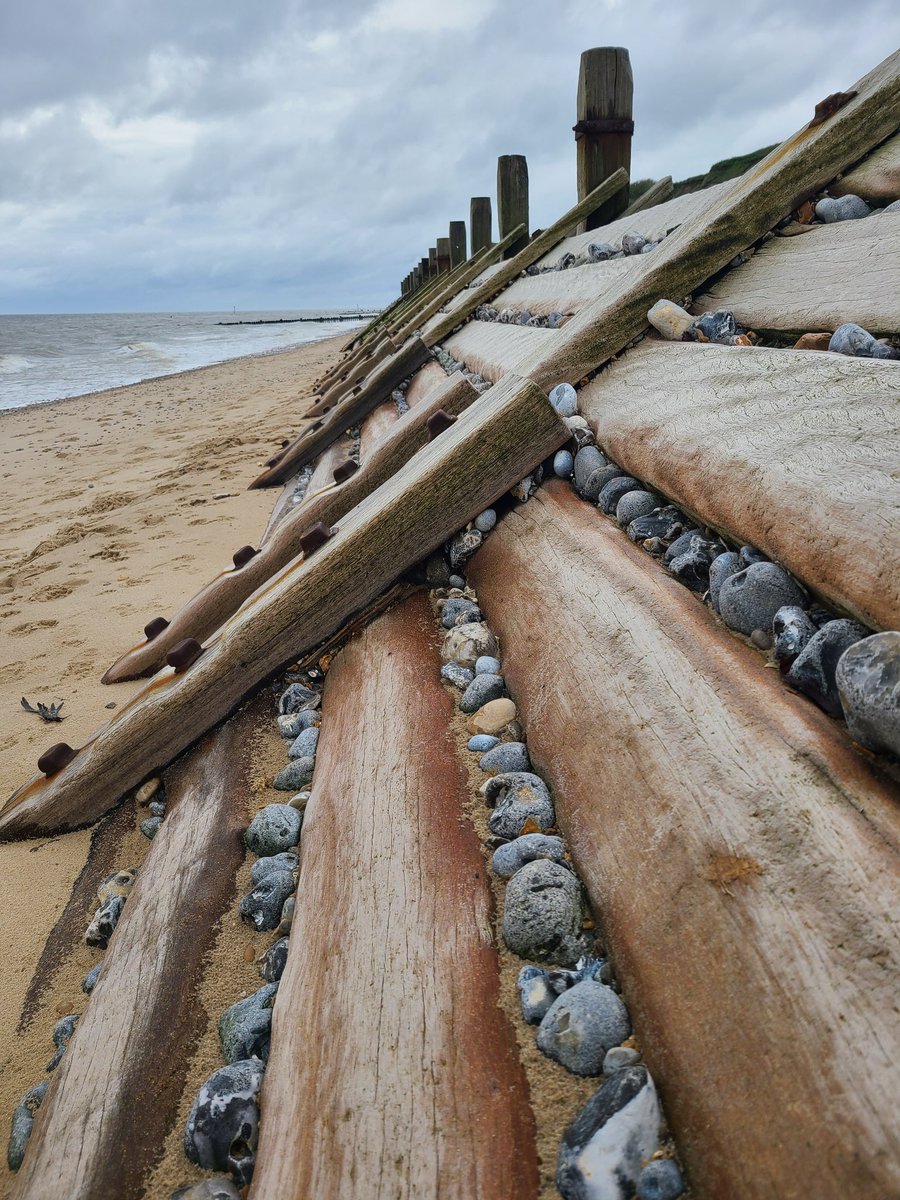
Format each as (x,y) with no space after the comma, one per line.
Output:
(116,507)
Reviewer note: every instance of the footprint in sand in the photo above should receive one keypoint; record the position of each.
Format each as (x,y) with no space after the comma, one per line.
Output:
(31,627)
(55,592)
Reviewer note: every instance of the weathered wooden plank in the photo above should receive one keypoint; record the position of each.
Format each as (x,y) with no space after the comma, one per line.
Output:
(658,193)
(423,383)
(489,347)
(491,446)
(480,220)
(741,856)
(377,424)
(795,451)
(798,168)
(458,253)
(393,1071)
(564,291)
(834,273)
(604,126)
(512,199)
(876,178)
(352,408)
(443,255)
(92,1139)
(325,501)
(345,382)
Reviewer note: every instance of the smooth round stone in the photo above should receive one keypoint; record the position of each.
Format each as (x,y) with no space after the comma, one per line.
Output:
(485,521)
(661,1179)
(611,493)
(149,827)
(564,399)
(90,980)
(219,1188)
(791,630)
(598,479)
(508,756)
(659,529)
(815,668)
(300,801)
(842,208)
(223,1126)
(297,696)
(893,207)
(618,1058)
(481,691)
(263,867)
(512,856)
(555,319)
(292,724)
(274,961)
(305,743)
(274,828)
(602,1151)
(633,243)
(482,742)
(669,319)
(852,339)
(262,906)
(543,914)
(868,681)
(459,676)
(245,1029)
(492,717)
(721,568)
(588,460)
(297,774)
(884,348)
(487,665)
(519,798)
(579,1028)
(287,916)
(22,1123)
(459,610)
(456,581)
(148,790)
(750,599)
(634,504)
(465,644)
(157,809)
(563,464)
(601,251)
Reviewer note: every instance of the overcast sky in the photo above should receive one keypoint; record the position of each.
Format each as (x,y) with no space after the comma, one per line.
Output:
(199,154)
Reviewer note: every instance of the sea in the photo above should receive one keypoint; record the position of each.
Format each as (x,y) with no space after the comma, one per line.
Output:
(48,357)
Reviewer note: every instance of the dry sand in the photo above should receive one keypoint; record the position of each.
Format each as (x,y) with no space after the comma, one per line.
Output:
(117,507)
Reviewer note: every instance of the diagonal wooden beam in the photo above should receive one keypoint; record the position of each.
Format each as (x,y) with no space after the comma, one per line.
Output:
(655,194)
(476,460)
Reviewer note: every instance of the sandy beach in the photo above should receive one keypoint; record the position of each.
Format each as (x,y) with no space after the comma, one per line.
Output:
(117,507)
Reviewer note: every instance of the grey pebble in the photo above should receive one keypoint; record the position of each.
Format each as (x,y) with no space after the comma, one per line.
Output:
(791,630)
(208,1189)
(105,920)
(721,568)
(223,1126)
(149,827)
(598,479)
(437,571)
(157,809)
(750,599)
(274,961)
(633,243)
(481,690)
(286,860)
(292,724)
(853,340)
(459,676)
(815,668)
(511,856)
(295,775)
(750,555)
(718,326)
(618,1058)
(62,1035)
(540,988)
(295,697)
(564,399)
(508,756)
(661,1179)
(90,980)
(287,916)
(617,1130)
(22,1122)
(518,797)
(459,610)
(893,207)
(304,744)
(634,504)
(274,828)
(563,464)
(613,491)
(526,487)
(588,460)
(842,208)
(485,521)
(543,914)
(245,1029)
(487,664)
(262,906)
(579,1028)
(691,565)
(601,251)
(461,547)
(456,581)
(658,529)
(555,319)
(868,680)
(480,743)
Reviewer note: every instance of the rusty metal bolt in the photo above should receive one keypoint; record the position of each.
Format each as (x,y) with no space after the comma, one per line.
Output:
(317,535)
(439,422)
(155,627)
(184,654)
(55,758)
(241,557)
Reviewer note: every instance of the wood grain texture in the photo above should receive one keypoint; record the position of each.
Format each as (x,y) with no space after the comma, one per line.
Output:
(432,375)
(480,222)
(657,193)
(393,1071)
(492,445)
(377,425)
(741,855)
(876,178)
(835,273)
(793,451)
(309,444)
(347,380)
(512,200)
(116,1092)
(489,347)
(564,291)
(219,599)
(605,90)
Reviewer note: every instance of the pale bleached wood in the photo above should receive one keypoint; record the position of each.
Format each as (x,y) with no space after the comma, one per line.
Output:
(656,194)
(467,468)
(564,291)
(741,855)
(751,206)
(377,425)
(849,271)
(876,178)
(793,451)
(349,410)
(393,1071)
(423,383)
(459,301)
(116,1093)
(488,347)
(326,501)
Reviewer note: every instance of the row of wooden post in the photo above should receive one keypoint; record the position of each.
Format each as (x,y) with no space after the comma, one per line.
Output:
(603,133)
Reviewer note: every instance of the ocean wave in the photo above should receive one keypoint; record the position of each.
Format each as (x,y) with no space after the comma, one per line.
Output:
(12,364)
(151,351)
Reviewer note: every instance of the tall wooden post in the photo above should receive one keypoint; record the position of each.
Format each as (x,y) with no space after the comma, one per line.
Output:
(425,269)
(443,255)
(512,198)
(604,126)
(432,262)
(457,243)
(480,222)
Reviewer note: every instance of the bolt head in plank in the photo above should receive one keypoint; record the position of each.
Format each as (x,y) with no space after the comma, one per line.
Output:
(604,126)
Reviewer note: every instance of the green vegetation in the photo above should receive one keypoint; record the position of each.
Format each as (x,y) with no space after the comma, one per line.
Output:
(727,168)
